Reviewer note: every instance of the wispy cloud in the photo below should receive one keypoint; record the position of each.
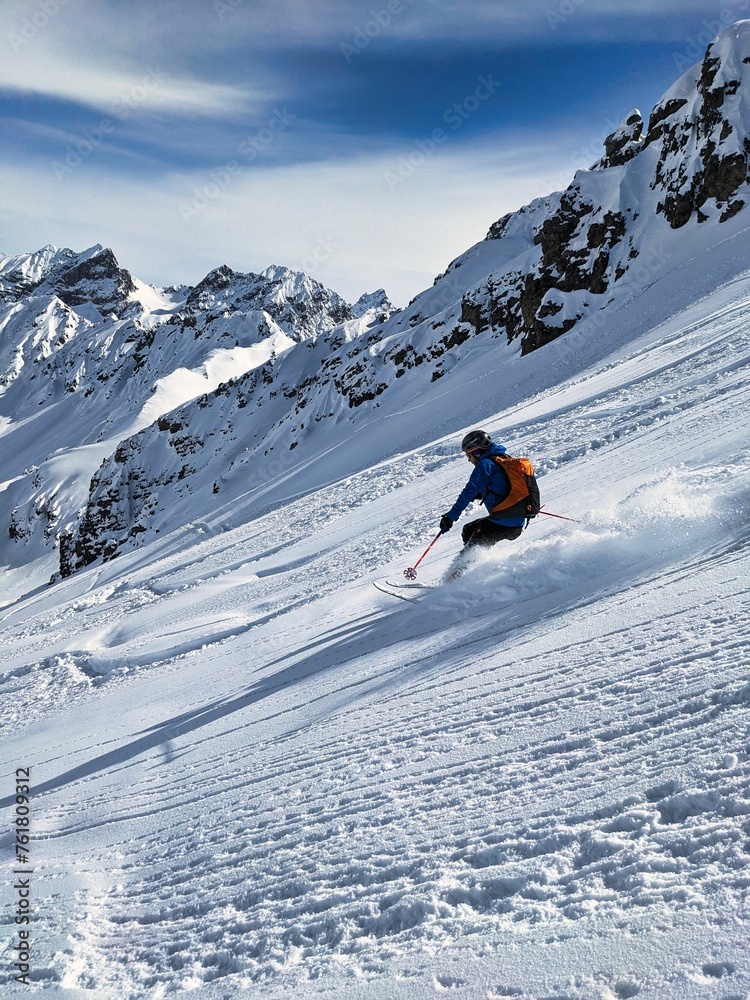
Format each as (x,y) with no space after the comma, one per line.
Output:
(152,85)
(107,56)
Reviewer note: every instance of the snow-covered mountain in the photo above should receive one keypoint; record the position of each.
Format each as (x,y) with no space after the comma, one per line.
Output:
(93,276)
(90,354)
(675,186)
(232,767)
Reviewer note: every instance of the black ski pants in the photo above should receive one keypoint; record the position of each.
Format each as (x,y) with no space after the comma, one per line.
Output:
(486,532)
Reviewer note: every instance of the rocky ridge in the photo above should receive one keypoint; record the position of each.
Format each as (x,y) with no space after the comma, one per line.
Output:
(693,154)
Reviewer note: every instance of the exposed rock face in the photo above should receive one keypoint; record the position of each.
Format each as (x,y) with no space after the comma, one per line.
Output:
(298,304)
(107,523)
(93,276)
(703,154)
(623,144)
(99,280)
(695,154)
(580,255)
(21,275)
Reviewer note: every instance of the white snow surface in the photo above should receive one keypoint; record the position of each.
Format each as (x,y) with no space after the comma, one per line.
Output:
(253,774)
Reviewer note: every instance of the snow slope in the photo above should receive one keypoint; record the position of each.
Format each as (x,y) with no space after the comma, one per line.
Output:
(255,775)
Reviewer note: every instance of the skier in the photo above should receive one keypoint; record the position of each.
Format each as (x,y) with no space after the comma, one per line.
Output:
(490,483)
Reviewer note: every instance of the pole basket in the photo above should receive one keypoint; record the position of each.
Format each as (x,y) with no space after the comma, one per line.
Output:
(411,572)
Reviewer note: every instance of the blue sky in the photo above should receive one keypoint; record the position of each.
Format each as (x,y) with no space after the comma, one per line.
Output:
(368,143)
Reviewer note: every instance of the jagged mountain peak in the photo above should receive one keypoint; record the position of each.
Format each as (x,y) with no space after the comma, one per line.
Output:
(376,302)
(216,281)
(97,278)
(19,273)
(93,354)
(279,273)
(92,275)
(299,305)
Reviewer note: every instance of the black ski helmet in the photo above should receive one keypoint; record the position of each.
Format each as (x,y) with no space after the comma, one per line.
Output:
(476,441)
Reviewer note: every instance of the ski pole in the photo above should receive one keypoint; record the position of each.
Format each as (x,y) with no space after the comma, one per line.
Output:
(561,516)
(411,572)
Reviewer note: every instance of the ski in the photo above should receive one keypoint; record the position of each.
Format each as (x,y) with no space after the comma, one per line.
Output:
(412,592)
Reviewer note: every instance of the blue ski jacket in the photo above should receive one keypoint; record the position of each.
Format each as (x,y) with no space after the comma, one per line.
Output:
(488,481)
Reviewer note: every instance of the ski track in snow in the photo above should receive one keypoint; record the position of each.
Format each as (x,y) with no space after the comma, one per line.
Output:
(306,788)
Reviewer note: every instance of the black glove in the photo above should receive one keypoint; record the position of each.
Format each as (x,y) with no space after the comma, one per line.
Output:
(445,523)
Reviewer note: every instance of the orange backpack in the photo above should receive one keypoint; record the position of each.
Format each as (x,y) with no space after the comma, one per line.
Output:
(523,499)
